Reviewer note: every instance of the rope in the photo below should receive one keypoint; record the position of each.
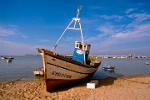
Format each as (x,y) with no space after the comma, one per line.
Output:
(75,20)
(56,44)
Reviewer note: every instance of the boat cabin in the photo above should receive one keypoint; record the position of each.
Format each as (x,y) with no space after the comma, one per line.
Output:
(81,52)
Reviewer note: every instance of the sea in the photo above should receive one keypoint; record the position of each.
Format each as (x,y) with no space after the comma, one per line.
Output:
(21,68)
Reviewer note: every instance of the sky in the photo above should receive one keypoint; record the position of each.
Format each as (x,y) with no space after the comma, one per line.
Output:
(112,27)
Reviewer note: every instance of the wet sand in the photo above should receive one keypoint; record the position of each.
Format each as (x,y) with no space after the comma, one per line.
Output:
(124,88)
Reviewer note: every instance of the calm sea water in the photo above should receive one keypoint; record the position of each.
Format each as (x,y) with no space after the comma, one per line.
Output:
(22,67)
(124,67)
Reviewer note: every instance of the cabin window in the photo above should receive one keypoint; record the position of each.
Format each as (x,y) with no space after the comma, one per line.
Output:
(77,45)
(85,47)
(80,46)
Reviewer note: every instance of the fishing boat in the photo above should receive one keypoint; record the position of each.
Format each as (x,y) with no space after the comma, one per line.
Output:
(7,59)
(60,70)
(147,63)
(108,68)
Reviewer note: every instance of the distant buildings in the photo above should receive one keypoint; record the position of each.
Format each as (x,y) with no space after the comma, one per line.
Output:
(124,56)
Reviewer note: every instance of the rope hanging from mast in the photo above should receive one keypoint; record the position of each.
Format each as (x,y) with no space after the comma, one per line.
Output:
(69,27)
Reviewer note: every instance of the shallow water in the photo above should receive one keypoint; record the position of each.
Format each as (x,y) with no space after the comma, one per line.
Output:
(124,67)
(22,67)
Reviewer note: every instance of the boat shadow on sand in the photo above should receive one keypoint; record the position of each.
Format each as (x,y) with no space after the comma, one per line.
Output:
(103,78)
(106,81)
(101,82)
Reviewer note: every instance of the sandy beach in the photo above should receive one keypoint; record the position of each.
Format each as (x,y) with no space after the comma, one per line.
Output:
(124,88)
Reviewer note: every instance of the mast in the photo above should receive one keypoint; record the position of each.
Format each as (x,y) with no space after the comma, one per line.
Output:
(74,24)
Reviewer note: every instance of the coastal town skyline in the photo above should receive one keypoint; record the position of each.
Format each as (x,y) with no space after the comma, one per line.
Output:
(112,27)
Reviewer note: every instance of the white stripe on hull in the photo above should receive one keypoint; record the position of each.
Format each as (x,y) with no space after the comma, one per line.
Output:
(59,69)
(54,72)
(68,65)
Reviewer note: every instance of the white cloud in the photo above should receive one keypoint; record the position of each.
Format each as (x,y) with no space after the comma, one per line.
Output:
(96,7)
(111,17)
(7,31)
(107,29)
(96,38)
(139,32)
(14,48)
(125,36)
(44,41)
(139,17)
(137,29)
(11,30)
(24,36)
(130,10)
(137,51)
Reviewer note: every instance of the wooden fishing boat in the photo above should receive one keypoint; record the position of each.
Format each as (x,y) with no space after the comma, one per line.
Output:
(108,68)
(7,59)
(62,70)
(147,63)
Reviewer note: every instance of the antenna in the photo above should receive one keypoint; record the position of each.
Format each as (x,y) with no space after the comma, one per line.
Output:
(78,12)
(72,26)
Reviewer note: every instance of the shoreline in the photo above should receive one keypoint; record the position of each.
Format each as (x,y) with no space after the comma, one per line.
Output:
(135,87)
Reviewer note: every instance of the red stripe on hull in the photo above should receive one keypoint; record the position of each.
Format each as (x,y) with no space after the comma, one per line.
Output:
(51,84)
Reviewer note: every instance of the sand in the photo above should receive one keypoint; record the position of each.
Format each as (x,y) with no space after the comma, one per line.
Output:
(124,88)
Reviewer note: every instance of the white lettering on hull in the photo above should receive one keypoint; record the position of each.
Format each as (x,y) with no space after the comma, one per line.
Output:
(61,74)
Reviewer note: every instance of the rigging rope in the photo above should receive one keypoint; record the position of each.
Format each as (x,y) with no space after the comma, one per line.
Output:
(75,20)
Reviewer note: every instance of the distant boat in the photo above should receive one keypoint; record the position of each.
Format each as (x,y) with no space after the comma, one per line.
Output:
(147,63)
(60,69)
(108,68)
(7,59)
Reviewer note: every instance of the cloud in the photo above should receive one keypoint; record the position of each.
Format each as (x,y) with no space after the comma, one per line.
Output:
(138,19)
(7,31)
(111,17)
(108,28)
(44,41)
(136,51)
(138,32)
(137,29)
(96,38)
(24,36)
(15,48)
(11,30)
(113,36)
(130,10)
(96,7)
